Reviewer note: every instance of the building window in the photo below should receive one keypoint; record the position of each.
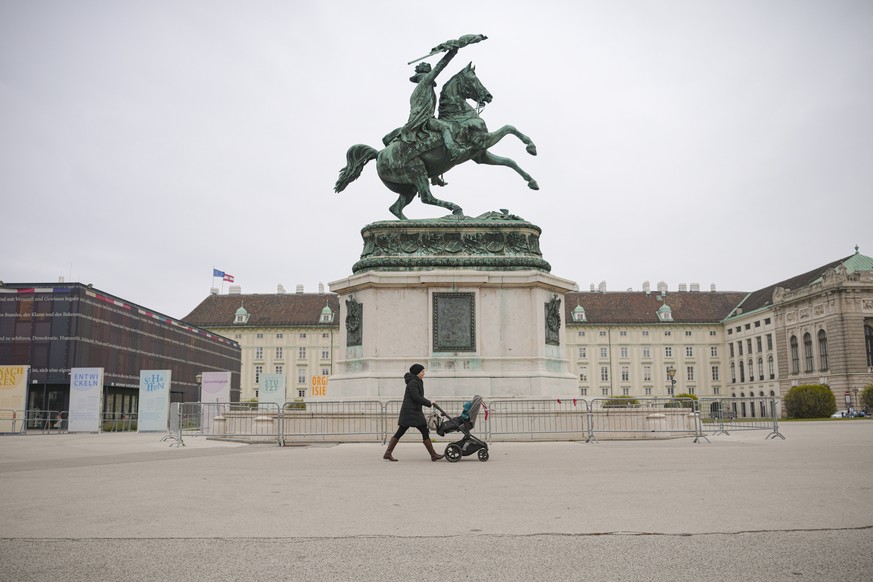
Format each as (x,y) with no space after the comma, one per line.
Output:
(583,391)
(604,373)
(823,349)
(668,333)
(325,371)
(731,346)
(760,368)
(583,374)
(769,342)
(625,391)
(689,373)
(772,367)
(645,333)
(647,373)
(691,389)
(648,390)
(258,371)
(602,333)
(581,334)
(715,390)
(767,321)
(325,354)
(715,373)
(807,351)
(868,341)
(751,371)
(712,332)
(749,345)
(280,335)
(301,375)
(622,333)
(733,373)
(259,353)
(625,374)
(689,352)
(325,335)
(668,351)
(604,391)
(259,336)
(647,352)
(687,334)
(795,355)
(758,323)
(280,353)
(301,353)
(280,369)
(713,351)
(740,347)
(742,372)
(603,353)
(301,393)
(583,353)
(760,346)
(623,351)
(302,335)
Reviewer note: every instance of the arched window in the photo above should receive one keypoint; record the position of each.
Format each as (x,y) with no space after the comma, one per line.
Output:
(807,351)
(795,356)
(823,349)
(772,367)
(751,370)
(761,369)
(868,338)
(733,373)
(742,372)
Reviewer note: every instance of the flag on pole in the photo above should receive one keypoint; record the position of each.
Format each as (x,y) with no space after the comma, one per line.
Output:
(217,273)
(228,278)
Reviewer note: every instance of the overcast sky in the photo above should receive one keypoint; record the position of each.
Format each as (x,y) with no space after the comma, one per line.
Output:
(143,143)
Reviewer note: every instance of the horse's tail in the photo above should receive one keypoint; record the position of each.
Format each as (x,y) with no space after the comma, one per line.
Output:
(356,158)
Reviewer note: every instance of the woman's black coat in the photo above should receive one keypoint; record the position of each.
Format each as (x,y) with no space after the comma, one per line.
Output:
(413,400)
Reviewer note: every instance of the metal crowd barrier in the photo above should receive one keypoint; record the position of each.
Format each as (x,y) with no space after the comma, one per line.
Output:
(529,419)
(724,415)
(119,422)
(11,421)
(249,421)
(46,421)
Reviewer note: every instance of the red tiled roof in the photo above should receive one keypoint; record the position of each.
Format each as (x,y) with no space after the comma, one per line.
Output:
(291,309)
(638,307)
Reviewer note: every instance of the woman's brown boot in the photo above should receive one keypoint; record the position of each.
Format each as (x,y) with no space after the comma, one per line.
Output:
(433,456)
(391,444)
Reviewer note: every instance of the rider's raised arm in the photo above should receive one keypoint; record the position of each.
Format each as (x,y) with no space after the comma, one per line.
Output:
(432,75)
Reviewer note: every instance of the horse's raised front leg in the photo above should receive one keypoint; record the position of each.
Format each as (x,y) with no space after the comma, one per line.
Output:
(494,137)
(490,159)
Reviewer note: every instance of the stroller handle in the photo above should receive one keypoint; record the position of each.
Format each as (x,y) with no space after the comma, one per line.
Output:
(443,412)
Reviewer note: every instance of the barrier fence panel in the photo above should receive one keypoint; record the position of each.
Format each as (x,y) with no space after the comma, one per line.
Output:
(46,421)
(352,420)
(723,415)
(536,419)
(119,422)
(636,418)
(250,421)
(11,421)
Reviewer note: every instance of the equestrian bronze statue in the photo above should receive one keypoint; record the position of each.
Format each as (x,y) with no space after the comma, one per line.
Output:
(422,151)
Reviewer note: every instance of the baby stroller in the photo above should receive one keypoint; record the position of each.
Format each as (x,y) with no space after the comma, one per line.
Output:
(463,423)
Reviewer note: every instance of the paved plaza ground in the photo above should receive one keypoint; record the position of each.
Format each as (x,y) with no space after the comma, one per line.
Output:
(130,507)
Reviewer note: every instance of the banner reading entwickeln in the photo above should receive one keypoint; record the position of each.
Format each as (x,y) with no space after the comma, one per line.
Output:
(154,400)
(13,397)
(86,399)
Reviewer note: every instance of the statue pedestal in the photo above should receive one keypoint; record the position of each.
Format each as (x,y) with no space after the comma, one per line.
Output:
(471,300)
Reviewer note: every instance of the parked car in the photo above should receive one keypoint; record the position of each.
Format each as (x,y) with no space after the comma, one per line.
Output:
(851,413)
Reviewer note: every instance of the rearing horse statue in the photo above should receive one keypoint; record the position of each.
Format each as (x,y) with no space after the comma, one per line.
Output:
(408,168)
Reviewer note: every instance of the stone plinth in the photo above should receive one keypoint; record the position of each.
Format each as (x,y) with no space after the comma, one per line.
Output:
(472,300)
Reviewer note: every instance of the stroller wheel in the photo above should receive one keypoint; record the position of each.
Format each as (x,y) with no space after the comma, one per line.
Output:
(453,453)
(483,455)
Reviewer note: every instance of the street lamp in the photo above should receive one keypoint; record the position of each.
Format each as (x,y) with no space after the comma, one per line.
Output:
(199,379)
(671,373)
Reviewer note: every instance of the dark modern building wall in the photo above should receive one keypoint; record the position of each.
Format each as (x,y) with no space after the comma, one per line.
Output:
(53,328)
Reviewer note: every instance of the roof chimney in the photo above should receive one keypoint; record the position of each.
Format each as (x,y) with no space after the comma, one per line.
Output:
(280,289)
(683,287)
(321,288)
(662,287)
(602,287)
(593,288)
(712,288)
(213,291)
(695,287)
(299,288)
(647,287)
(234,290)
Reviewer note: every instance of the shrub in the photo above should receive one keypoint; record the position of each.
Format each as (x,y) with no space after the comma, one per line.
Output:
(867,397)
(621,402)
(685,400)
(810,401)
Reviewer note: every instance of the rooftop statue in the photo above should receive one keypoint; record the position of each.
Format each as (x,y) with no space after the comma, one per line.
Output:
(418,154)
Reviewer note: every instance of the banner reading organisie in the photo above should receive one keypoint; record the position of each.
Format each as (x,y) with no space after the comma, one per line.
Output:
(13,397)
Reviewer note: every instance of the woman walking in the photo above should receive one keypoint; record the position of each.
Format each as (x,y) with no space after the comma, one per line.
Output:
(410,413)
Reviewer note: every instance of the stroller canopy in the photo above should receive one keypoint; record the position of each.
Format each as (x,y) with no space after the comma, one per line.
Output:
(474,408)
